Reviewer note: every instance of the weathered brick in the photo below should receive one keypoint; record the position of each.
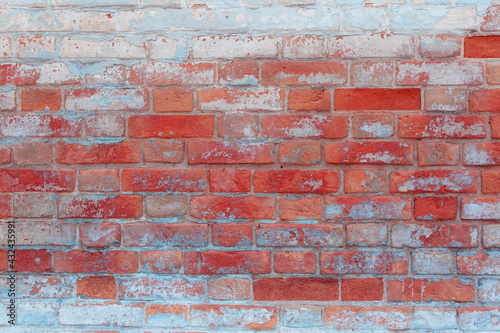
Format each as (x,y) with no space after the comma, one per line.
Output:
(362,289)
(299,235)
(167,315)
(366,234)
(98,153)
(173,100)
(218,207)
(100,206)
(295,262)
(33,153)
(231,235)
(300,209)
(342,317)
(478,318)
(493,73)
(370,46)
(99,235)
(230,152)
(491,236)
(372,73)
(364,181)
(484,100)
(491,20)
(72,47)
(369,152)
(41,233)
(439,73)
(433,262)
(233,316)
(445,99)
(309,100)
(105,125)
(482,47)
(166,205)
(99,180)
(163,151)
(439,46)
(434,235)
(303,47)
(454,127)
(376,99)
(161,261)
(104,314)
(96,21)
(478,262)
(488,290)
(5,206)
(39,126)
(5,47)
(35,99)
(96,287)
(239,125)
(304,73)
(158,235)
(300,153)
(238,73)
(106,99)
(481,153)
(227,262)
(157,73)
(250,99)
(437,181)
(367,208)
(157,287)
(235,47)
(296,289)
(296,181)
(29,180)
(80,261)
(436,208)
(422,289)
(359,262)
(35,206)
(171,126)
(7,100)
(299,126)
(229,289)
(372,126)
(161,180)
(437,153)
(229,180)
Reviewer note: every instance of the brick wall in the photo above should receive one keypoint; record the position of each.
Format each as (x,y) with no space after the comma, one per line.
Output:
(281,166)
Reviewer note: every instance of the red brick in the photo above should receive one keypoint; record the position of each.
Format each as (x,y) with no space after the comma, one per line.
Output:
(238,125)
(300,153)
(278,235)
(3,261)
(161,180)
(490,181)
(231,235)
(364,181)
(298,126)
(484,100)
(100,235)
(107,99)
(366,234)
(156,73)
(300,209)
(5,206)
(437,153)
(33,261)
(18,75)
(96,287)
(99,180)
(358,262)
(376,99)
(372,126)
(296,181)
(367,208)
(482,47)
(119,153)
(342,317)
(171,126)
(372,73)
(163,151)
(304,73)
(491,20)
(438,181)
(27,180)
(159,235)
(229,180)
(161,261)
(229,289)
(297,262)
(495,126)
(41,99)
(227,262)
(105,126)
(218,207)
(362,289)
(425,290)
(250,99)
(434,235)
(100,207)
(478,262)
(239,73)
(439,46)
(39,126)
(173,100)
(309,100)
(453,127)
(229,152)
(5,155)
(33,153)
(296,289)
(436,208)
(493,73)
(413,73)
(241,316)
(372,152)
(80,261)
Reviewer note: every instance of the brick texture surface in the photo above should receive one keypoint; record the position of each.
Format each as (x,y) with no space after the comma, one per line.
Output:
(250,165)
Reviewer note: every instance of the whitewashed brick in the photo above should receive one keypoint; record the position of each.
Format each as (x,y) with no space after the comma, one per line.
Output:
(235,47)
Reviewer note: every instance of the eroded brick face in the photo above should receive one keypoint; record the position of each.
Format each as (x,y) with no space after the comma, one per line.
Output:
(238,166)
